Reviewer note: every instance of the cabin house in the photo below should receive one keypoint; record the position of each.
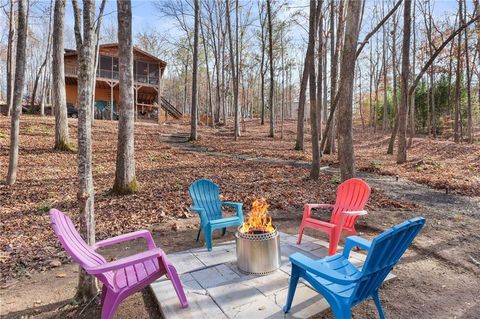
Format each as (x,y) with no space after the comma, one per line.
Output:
(147,69)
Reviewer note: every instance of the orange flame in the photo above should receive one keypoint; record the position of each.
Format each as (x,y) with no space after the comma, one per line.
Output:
(258,219)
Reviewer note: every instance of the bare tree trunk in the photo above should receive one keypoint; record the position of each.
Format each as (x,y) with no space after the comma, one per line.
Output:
(346,155)
(314,13)
(403,109)
(385,84)
(43,65)
(433,115)
(468,78)
(59,102)
(234,72)
(11,65)
(125,179)
(282,111)
(330,142)
(209,86)
(20,62)
(185,85)
(371,108)
(272,79)
(394,95)
(299,144)
(262,64)
(86,40)
(194,113)
(412,97)
(477,31)
(320,71)
(458,75)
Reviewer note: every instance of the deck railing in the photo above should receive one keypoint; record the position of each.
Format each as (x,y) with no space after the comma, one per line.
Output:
(71,70)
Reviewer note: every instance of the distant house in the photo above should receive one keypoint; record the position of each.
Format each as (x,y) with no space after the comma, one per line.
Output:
(147,69)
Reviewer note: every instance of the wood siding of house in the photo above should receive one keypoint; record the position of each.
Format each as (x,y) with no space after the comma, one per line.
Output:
(147,81)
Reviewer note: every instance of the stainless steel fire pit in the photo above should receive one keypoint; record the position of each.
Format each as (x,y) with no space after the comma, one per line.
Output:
(258,253)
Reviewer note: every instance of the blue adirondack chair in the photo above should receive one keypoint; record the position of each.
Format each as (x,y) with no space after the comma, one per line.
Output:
(205,196)
(340,282)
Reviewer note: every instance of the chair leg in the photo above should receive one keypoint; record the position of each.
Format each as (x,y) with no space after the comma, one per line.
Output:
(199,231)
(334,239)
(341,311)
(376,298)
(224,231)
(110,304)
(208,238)
(291,288)
(177,285)
(300,234)
(104,293)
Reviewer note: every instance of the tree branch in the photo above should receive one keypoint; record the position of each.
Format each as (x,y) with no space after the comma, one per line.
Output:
(379,25)
(437,52)
(76,28)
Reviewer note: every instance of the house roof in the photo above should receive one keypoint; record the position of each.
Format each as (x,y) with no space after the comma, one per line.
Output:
(71,52)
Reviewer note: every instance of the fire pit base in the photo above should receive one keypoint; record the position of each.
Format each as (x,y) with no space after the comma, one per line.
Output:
(258,254)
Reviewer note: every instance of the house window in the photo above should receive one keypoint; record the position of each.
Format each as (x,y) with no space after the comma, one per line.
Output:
(153,72)
(115,69)
(105,67)
(141,72)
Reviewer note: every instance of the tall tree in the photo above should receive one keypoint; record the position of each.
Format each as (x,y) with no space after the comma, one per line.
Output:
(458,78)
(20,62)
(12,27)
(385,84)
(468,80)
(233,66)
(86,30)
(412,98)
(299,144)
(194,113)
(43,66)
(477,31)
(59,101)
(272,73)
(262,61)
(315,12)
(125,179)
(403,109)
(346,155)
(394,85)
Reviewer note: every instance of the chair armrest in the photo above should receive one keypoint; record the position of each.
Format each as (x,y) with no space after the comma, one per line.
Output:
(319,269)
(353,241)
(238,208)
(319,205)
(125,262)
(356,213)
(201,213)
(126,237)
(308,208)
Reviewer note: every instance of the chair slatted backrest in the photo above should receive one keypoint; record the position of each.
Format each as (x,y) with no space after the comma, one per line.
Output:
(352,195)
(75,246)
(384,253)
(206,194)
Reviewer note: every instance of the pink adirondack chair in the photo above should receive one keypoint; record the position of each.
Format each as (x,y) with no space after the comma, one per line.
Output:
(352,195)
(123,277)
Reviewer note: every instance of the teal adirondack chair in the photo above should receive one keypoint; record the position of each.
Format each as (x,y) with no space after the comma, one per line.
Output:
(341,283)
(206,202)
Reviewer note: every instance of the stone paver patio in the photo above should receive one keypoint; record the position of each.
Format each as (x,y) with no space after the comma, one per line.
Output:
(215,288)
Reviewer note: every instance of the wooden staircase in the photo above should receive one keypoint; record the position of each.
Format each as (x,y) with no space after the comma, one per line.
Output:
(170,109)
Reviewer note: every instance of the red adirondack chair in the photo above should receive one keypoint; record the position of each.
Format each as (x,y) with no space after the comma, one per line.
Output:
(123,277)
(352,195)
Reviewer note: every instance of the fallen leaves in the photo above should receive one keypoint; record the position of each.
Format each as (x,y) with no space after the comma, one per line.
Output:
(48,178)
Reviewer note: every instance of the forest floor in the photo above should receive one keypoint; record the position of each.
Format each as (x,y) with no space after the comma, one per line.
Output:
(438,278)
